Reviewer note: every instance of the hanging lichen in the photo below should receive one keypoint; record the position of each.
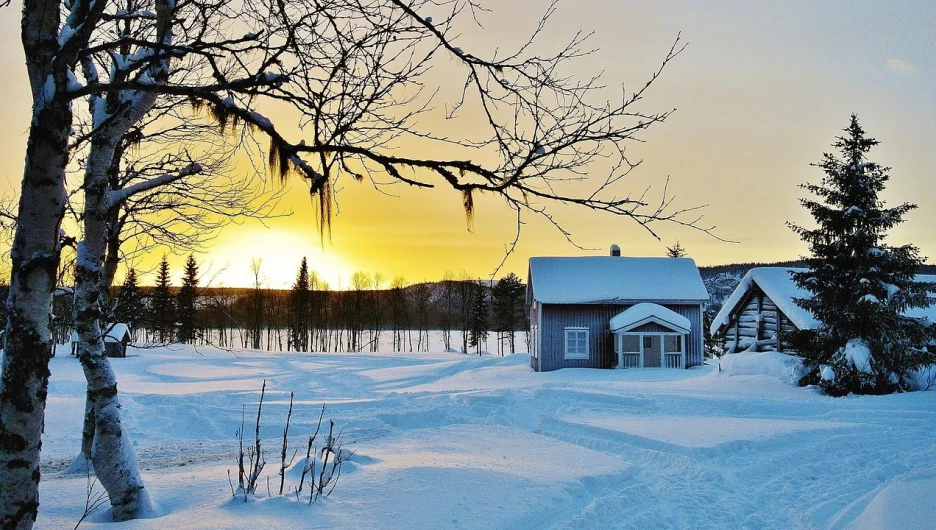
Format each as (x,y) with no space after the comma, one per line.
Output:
(468,203)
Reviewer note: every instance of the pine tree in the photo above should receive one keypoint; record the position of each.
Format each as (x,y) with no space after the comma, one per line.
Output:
(130,307)
(299,302)
(478,331)
(860,285)
(676,251)
(162,310)
(507,301)
(186,310)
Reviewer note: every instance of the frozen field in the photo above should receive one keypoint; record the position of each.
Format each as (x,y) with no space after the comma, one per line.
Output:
(445,440)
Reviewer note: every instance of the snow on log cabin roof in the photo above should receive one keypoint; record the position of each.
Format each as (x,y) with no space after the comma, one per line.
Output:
(113,333)
(613,279)
(779,286)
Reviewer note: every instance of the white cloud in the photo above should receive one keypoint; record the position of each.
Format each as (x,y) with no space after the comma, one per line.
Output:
(899,65)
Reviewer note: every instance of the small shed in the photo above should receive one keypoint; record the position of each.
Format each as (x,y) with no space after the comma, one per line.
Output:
(116,338)
(615,312)
(761,313)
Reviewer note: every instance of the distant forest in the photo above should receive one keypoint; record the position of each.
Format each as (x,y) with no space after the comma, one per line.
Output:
(311,318)
(358,319)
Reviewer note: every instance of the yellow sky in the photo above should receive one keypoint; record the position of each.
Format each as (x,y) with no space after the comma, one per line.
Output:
(761,91)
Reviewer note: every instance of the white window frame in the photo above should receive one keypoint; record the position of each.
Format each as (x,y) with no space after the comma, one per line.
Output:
(577,355)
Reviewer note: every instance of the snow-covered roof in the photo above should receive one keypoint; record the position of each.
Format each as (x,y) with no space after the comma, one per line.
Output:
(596,279)
(645,313)
(777,284)
(115,332)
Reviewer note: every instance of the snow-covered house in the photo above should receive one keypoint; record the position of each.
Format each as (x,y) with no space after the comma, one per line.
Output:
(615,312)
(116,338)
(760,314)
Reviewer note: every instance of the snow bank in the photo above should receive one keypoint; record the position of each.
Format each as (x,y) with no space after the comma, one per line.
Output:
(780,365)
(924,378)
(907,505)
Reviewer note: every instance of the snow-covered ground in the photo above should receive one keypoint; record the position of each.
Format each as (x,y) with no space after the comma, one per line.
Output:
(445,440)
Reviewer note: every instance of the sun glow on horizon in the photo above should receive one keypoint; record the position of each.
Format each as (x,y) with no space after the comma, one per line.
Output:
(229,262)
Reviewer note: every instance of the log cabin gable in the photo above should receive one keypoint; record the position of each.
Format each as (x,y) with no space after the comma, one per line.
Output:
(757,324)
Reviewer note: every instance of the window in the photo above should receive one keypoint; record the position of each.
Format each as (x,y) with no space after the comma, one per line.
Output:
(576,343)
(631,343)
(671,344)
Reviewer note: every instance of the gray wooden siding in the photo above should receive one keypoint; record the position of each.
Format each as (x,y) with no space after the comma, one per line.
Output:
(595,317)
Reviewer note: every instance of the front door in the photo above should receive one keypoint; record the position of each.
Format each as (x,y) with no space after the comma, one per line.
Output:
(652,351)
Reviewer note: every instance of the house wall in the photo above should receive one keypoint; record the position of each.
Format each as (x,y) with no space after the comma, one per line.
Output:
(556,317)
(757,325)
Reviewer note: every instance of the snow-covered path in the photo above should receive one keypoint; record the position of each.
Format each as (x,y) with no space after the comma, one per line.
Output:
(445,440)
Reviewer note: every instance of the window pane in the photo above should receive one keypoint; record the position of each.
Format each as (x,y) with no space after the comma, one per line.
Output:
(648,342)
(576,342)
(671,343)
(631,343)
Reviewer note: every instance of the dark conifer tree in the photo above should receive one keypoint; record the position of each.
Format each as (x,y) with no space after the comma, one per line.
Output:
(130,306)
(860,285)
(478,329)
(676,251)
(507,301)
(299,303)
(186,310)
(162,305)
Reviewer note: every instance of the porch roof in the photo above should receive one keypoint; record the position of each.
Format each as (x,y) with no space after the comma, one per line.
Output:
(645,313)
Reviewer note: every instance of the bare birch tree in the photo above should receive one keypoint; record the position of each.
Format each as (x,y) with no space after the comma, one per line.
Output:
(355,75)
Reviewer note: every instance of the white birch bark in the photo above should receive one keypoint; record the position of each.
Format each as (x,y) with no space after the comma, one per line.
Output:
(111,452)
(35,259)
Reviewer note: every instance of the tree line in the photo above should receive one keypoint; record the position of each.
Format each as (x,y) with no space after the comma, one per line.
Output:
(311,316)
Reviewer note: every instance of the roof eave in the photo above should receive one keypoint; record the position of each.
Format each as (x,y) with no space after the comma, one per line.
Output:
(621,301)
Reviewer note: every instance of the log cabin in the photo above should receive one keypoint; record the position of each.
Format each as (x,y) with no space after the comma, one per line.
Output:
(761,313)
(116,339)
(615,312)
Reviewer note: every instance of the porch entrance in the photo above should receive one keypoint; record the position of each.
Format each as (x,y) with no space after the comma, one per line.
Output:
(652,351)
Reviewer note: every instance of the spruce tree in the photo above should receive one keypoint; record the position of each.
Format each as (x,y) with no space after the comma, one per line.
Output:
(676,251)
(860,285)
(299,302)
(186,311)
(130,307)
(478,330)
(507,301)
(162,310)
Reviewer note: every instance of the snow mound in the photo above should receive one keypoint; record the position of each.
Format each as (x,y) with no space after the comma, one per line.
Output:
(904,506)
(924,378)
(780,365)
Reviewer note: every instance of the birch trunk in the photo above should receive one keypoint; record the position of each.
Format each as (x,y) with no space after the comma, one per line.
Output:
(35,259)
(112,454)
(25,376)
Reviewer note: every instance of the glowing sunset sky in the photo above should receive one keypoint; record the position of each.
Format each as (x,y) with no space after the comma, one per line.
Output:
(761,91)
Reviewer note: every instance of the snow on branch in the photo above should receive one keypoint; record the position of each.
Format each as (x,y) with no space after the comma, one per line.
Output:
(117,197)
